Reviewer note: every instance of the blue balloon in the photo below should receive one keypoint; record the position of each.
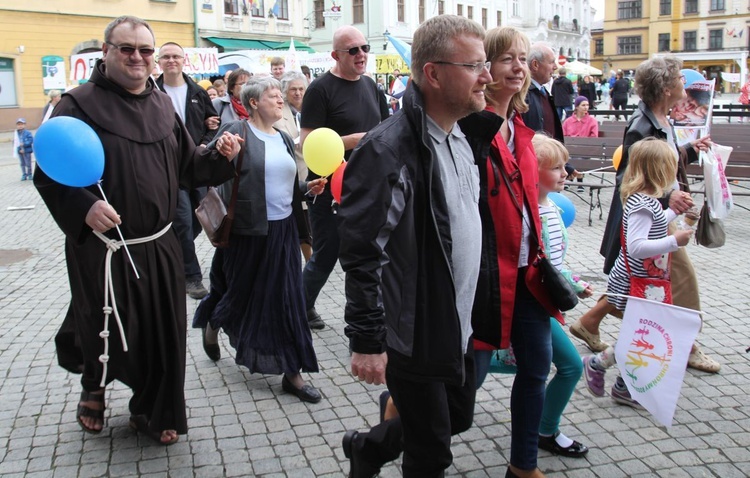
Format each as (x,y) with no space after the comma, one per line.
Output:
(567,209)
(691,76)
(69,151)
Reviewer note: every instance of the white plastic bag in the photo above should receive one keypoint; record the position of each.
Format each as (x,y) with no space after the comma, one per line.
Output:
(718,194)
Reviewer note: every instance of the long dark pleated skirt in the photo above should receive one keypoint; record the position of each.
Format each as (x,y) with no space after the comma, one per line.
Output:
(256,298)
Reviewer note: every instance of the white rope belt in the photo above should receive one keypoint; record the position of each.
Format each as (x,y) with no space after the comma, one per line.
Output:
(109,292)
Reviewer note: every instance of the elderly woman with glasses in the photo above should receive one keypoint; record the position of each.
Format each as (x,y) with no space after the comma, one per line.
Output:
(256,282)
(660,85)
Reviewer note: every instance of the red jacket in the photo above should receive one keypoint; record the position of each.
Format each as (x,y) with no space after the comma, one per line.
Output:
(507,221)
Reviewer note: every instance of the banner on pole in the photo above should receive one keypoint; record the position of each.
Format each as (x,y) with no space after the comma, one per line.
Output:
(652,352)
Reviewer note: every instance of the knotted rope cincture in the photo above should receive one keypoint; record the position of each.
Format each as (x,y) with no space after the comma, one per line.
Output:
(113,246)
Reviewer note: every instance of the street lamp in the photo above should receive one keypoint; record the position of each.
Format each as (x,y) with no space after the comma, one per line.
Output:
(385,39)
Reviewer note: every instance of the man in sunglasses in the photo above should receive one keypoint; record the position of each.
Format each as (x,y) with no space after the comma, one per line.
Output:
(120,326)
(410,247)
(348,102)
(193,105)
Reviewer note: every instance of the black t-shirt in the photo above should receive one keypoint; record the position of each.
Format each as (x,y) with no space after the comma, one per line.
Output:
(347,107)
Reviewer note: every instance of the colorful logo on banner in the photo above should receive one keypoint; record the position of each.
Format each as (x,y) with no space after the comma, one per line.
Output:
(652,352)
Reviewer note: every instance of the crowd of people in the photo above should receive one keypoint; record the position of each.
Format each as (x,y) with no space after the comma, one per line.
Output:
(443,220)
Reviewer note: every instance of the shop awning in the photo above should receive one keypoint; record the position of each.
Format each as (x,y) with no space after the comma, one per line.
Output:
(234,44)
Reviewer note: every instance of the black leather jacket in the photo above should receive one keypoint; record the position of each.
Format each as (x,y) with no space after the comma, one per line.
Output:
(396,249)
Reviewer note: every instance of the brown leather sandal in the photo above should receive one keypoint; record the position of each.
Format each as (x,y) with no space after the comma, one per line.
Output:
(95,413)
(139,423)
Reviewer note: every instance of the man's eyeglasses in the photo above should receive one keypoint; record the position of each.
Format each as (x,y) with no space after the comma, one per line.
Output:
(129,50)
(355,49)
(169,57)
(476,68)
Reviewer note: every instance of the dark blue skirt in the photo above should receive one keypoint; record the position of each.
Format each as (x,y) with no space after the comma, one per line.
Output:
(257,298)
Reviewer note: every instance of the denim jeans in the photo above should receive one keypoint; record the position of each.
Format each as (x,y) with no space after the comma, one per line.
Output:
(324,224)
(25,160)
(187,228)
(532,346)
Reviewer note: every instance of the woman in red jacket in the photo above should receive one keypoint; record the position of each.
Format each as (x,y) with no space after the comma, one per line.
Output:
(515,308)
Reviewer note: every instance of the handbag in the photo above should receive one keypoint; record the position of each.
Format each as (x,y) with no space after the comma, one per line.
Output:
(709,232)
(650,288)
(559,290)
(213,215)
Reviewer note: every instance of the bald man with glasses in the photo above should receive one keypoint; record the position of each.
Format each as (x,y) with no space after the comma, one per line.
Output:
(348,102)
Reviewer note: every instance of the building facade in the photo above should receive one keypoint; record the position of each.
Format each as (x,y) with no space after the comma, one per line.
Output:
(37,43)
(711,36)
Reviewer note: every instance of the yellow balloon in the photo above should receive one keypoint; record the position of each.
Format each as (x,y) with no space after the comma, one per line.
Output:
(205,84)
(617,157)
(323,151)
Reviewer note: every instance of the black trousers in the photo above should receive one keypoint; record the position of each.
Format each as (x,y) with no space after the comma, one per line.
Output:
(429,414)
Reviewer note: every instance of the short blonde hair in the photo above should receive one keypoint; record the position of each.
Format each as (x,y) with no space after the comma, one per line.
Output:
(652,169)
(496,42)
(548,150)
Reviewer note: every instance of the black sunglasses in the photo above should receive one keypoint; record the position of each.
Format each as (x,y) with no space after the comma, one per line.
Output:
(355,49)
(129,50)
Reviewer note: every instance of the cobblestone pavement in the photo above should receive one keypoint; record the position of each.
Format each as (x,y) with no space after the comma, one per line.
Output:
(244,425)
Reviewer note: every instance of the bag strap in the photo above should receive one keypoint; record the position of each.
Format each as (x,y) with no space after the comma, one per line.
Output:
(238,171)
(540,251)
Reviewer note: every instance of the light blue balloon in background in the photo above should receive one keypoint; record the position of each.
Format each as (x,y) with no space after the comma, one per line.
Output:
(69,151)
(567,209)
(691,76)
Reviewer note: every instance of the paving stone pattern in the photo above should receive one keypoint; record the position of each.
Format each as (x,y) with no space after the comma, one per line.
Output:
(244,425)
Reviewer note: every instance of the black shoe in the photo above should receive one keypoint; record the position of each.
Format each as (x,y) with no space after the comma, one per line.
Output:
(195,289)
(580,189)
(307,393)
(358,468)
(576,450)
(314,320)
(212,350)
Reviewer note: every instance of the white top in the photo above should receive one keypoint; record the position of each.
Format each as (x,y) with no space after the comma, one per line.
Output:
(178,95)
(279,175)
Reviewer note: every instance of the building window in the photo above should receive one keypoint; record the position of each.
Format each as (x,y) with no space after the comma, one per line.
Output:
(691,6)
(400,10)
(665,7)
(516,9)
(231,7)
(689,40)
(470,12)
(358,11)
(459,9)
(258,10)
(281,9)
(441,7)
(628,45)
(626,10)
(717,5)
(715,39)
(484,18)
(664,42)
(421,11)
(599,46)
(318,8)
(500,20)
